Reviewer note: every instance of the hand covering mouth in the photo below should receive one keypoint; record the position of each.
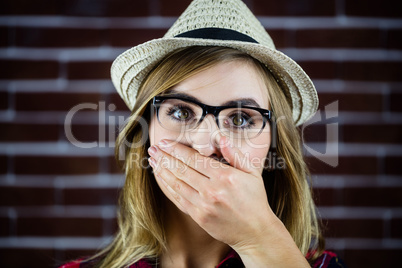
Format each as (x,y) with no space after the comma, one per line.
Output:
(222,160)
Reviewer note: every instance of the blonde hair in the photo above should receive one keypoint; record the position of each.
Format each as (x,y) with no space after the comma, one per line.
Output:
(141,233)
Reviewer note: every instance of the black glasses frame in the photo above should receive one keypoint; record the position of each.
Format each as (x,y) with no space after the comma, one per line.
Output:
(214,110)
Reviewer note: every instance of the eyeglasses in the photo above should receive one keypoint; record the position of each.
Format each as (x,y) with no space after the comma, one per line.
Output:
(237,121)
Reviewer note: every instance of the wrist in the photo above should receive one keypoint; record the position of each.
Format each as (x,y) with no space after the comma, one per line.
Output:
(274,247)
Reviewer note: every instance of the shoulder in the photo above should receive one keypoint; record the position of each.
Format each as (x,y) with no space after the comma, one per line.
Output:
(328,260)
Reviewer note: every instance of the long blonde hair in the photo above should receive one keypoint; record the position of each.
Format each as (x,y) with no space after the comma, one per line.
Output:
(141,233)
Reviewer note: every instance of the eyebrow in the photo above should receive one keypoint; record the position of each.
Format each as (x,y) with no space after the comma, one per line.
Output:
(234,102)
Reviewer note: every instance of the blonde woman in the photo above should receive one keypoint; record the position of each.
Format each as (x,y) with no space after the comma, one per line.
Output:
(214,109)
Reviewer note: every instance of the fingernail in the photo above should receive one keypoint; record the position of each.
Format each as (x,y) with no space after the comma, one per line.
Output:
(152,150)
(152,162)
(162,143)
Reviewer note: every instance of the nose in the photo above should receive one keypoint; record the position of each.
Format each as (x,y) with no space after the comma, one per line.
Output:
(205,138)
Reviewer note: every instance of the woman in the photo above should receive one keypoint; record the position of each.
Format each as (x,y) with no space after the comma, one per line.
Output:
(214,109)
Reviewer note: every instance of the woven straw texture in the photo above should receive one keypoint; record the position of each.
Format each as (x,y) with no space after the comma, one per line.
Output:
(131,67)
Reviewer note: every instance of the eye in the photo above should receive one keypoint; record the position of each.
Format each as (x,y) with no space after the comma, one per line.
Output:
(238,120)
(181,114)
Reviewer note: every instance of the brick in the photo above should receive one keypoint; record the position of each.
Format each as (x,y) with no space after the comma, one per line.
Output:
(349,70)
(372,133)
(4,40)
(353,228)
(359,197)
(56,165)
(294,8)
(3,164)
(26,257)
(95,133)
(86,133)
(133,37)
(22,196)
(338,38)
(110,227)
(113,165)
(363,165)
(111,8)
(396,230)
(372,197)
(372,71)
(58,37)
(26,7)
(89,70)
(115,99)
(371,8)
(4,227)
(3,100)
(315,133)
(393,165)
(279,37)
(325,196)
(26,69)
(28,132)
(169,8)
(394,39)
(63,227)
(395,100)
(96,196)
(124,8)
(372,258)
(54,101)
(320,69)
(352,101)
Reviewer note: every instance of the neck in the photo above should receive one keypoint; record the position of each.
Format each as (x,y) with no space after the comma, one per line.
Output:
(188,244)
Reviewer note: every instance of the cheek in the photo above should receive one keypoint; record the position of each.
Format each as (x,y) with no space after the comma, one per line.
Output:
(157,132)
(257,150)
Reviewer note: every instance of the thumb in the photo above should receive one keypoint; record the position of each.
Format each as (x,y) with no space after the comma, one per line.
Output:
(234,156)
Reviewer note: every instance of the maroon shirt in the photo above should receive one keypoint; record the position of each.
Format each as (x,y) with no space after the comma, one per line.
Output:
(232,260)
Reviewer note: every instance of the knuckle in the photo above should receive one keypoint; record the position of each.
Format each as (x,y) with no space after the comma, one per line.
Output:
(208,210)
(181,169)
(176,196)
(214,197)
(226,176)
(177,186)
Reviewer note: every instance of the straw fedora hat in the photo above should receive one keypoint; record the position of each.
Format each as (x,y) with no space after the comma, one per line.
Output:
(227,23)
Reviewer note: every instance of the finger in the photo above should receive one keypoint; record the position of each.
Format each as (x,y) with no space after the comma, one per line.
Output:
(235,157)
(180,188)
(180,203)
(202,164)
(178,168)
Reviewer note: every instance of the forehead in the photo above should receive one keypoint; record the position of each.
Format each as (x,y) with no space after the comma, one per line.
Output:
(224,82)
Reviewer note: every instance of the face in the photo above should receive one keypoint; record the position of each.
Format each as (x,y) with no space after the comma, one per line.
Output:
(228,81)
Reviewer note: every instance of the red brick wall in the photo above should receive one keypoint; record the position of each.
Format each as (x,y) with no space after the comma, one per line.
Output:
(58,201)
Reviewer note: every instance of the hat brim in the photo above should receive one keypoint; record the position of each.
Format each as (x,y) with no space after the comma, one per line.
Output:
(132,66)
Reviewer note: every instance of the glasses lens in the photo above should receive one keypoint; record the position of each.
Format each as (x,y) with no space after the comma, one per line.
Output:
(241,122)
(179,115)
